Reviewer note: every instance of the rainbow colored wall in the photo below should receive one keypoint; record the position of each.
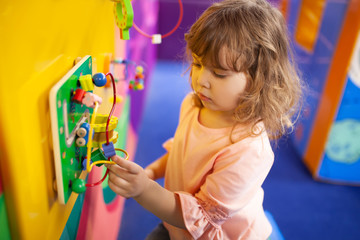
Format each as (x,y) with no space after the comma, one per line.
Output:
(40,41)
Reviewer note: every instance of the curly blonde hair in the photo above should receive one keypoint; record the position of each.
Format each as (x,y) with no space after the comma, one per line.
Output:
(256,38)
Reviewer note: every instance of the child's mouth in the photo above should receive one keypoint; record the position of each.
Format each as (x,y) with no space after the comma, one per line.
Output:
(203,97)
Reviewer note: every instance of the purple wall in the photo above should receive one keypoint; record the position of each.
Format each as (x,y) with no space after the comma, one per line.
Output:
(173,47)
(141,50)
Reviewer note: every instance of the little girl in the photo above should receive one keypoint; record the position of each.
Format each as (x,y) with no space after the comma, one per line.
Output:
(245,92)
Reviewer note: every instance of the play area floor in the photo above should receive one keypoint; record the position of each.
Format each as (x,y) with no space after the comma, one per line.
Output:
(297,206)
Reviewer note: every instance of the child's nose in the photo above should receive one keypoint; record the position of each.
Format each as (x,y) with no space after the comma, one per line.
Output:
(203,79)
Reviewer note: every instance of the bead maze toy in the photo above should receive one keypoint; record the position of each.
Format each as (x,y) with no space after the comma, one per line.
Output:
(157,38)
(136,81)
(79,133)
(29,182)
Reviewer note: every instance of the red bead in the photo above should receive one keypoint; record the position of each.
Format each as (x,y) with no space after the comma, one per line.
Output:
(78,96)
(139,76)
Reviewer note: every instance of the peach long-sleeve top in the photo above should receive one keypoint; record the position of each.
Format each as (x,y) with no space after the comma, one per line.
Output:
(218,182)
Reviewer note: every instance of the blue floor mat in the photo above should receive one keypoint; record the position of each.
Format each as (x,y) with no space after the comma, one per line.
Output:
(276,234)
(304,209)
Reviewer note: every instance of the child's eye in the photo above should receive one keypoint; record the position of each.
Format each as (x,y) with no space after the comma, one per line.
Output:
(218,75)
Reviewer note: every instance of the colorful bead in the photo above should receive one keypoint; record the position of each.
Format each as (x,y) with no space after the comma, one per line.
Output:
(86,82)
(84,162)
(99,79)
(139,69)
(90,99)
(78,185)
(98,155)
(78,95)
(156,39)
(109,150)
(139,76)
(139,86)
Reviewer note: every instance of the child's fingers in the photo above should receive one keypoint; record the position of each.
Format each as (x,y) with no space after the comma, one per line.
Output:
(128,165)
(118,185)
(118,171)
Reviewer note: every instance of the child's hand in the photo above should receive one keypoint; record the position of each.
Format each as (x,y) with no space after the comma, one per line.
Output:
(127,178)
(150,173)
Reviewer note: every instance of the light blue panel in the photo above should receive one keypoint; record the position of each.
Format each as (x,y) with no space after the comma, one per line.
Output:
(342,156)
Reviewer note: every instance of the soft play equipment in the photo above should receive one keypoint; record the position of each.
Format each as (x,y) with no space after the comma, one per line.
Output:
(59,61)
(325,35)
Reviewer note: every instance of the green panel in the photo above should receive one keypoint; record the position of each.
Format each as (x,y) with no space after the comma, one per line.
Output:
(4,225)
(122,129)
(66,118)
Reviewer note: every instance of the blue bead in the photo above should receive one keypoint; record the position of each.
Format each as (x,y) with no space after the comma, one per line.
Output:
(84,163)
(109,150)
(99,79)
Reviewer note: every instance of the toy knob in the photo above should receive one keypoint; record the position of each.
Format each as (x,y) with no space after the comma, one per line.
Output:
(78,186)
(81,132)
(99,79)
(80,142)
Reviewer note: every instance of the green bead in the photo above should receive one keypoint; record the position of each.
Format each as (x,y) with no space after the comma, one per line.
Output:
(98,155)
(78,186)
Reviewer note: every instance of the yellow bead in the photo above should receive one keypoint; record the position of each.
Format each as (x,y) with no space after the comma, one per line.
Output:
(139,69)
(86,82)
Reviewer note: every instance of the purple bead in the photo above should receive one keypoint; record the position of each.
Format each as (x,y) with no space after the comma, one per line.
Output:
(109,150)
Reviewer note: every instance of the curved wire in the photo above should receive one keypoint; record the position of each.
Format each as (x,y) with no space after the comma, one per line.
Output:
(92,122)
(88,165)
(107,170)
(110,162)
(112,109)
(89,144)
(171,31)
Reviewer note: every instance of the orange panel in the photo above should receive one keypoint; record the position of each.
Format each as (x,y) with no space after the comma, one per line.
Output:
(309,23)
(333,90)
(283,7)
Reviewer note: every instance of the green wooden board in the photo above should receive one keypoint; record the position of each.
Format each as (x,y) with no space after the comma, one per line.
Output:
(66,118)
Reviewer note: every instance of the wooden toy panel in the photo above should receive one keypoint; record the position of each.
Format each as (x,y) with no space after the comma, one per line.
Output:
(66,118)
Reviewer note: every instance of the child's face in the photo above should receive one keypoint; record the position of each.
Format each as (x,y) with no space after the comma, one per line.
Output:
(218,89)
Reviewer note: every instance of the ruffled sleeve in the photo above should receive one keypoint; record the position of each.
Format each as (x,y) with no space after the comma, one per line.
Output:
(201,217)
(236,178)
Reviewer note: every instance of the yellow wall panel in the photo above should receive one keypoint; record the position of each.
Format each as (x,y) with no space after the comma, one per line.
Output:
(39,42)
